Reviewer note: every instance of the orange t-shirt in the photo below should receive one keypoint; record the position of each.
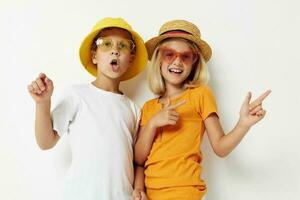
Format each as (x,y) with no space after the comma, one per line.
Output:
(175,157)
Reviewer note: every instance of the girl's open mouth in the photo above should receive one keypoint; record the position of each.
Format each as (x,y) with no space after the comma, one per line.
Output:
(175,70)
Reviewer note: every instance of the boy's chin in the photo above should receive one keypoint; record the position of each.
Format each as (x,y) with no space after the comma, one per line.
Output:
(113,75)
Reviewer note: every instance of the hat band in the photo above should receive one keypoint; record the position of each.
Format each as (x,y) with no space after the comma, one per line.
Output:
(176,32)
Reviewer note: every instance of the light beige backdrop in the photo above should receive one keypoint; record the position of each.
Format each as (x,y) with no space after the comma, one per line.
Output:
(255,47)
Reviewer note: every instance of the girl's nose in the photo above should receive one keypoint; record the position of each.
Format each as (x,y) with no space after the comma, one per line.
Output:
(177,61)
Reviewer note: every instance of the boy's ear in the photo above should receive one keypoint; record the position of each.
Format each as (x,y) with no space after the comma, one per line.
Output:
(94,57)
(131,59)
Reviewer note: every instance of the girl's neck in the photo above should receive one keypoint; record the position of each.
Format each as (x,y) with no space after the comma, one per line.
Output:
(173,91)
(108,84)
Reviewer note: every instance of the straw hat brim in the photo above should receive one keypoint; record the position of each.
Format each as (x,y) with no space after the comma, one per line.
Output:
(138,64)
(205,49)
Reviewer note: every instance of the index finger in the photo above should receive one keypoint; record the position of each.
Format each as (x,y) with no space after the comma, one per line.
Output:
(260,99)
(177,104)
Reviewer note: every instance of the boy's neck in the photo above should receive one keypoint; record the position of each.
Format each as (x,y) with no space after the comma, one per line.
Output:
(111,85)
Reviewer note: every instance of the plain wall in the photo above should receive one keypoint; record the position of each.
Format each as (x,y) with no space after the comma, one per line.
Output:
(255,47)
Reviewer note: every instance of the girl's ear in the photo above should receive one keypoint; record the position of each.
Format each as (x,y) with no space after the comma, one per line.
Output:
(94,57)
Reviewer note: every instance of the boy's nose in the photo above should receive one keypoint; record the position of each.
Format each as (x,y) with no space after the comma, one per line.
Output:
(115,52)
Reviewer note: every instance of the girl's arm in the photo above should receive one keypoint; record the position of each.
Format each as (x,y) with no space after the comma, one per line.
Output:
(139,183)
(144,142)
(41,90)
(250,114)
(146,135)
(223,144)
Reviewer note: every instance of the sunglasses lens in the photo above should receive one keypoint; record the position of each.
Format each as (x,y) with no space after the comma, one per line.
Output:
(126,46)
(168,55)
(187,58)
(104,44)
(107,44)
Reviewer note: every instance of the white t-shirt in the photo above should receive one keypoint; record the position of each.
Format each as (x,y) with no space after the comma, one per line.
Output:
(102,127)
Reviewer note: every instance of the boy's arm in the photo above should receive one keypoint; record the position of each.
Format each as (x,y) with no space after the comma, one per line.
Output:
(41,90)
(45,136)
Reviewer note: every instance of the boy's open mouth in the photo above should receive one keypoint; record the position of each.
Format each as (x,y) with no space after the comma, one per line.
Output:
(114,64)
(175,70)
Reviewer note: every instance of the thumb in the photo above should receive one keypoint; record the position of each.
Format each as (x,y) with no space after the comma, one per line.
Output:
(168,102)
(42,76)
(48,81)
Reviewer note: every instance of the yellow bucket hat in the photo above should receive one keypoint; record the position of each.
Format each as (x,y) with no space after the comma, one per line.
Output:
(141,56)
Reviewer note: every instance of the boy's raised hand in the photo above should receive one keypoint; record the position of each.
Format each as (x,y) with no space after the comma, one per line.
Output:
(253,112)
(41,89)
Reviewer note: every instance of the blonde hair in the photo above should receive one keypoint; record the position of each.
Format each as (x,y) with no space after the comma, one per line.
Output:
(199,74)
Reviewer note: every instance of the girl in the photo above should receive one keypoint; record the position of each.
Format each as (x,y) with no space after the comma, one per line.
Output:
(173,124)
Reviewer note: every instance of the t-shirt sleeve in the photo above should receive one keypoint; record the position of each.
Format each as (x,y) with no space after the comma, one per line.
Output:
(206,103)
(144,115)
(64,112)
(136,125)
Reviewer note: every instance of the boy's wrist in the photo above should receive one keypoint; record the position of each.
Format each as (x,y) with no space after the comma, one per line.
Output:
(43,105)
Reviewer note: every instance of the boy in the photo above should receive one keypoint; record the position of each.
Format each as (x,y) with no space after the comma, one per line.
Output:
(100,121)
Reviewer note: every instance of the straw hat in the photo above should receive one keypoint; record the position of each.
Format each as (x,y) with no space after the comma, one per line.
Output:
(180,29)
(141,56)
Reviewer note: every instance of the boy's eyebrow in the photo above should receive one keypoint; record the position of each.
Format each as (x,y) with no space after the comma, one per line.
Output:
(129,34)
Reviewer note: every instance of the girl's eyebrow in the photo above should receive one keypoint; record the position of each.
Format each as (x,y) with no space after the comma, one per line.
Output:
(169,48)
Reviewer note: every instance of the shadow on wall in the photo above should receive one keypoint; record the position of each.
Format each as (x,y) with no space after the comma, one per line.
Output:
(137,88)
